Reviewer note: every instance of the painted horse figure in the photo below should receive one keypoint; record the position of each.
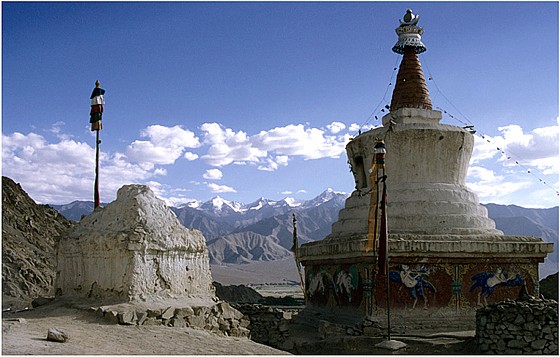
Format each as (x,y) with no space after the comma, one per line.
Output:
(318,287)
(488,281)
(343,285)
(415,281)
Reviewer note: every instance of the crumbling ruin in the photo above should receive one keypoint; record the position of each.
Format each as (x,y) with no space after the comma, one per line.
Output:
(133,250)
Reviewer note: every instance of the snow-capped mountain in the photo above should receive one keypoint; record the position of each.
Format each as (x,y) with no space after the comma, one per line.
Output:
(221,207)
(326,196)
(233,216)
(262,230)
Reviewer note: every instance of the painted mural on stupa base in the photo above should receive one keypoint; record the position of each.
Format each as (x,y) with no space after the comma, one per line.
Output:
(417,286)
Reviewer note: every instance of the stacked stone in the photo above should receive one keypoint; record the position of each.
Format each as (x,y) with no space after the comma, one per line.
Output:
(525,326)
(269,325)
(221,318)
(369,326)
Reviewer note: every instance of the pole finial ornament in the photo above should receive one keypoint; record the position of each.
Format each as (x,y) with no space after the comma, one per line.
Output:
(96,110)
(410,35)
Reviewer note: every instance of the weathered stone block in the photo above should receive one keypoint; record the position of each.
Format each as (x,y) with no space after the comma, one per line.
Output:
(142,315)
(244,322)
(111,317)
(127,318)
(100,312)
(196,321)
(239,332)
(57,335)
(517,344)
(154,312)
(168,313)
(152,321)
(228,312)
(283,326)
(327,329)
(178,322)
(538,344)
(184,312)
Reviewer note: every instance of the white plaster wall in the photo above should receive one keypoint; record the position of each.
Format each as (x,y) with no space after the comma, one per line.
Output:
(426,167)
(134,249)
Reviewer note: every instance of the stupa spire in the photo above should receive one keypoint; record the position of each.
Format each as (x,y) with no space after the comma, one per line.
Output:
(410,88)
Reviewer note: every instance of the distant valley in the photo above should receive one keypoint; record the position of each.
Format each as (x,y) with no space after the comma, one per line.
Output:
(261,231)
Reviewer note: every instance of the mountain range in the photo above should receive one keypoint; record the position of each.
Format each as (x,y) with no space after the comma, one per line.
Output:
(238,233)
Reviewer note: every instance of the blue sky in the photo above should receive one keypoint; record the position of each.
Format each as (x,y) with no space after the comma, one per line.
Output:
(249,99)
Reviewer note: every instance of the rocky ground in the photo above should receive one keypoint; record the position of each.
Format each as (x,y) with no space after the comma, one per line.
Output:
(25,333)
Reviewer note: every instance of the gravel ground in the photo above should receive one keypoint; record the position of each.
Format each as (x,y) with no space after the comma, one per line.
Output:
(25,333)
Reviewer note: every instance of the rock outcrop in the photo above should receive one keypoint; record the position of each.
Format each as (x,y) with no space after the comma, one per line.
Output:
(134,250)
(549,287)
(30,233)
(237,294)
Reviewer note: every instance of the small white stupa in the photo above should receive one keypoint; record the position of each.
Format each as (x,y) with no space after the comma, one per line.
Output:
(134,250)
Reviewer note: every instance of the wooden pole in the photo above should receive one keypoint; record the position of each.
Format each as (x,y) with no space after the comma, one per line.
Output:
(295,249)
(385,233)
(96,185)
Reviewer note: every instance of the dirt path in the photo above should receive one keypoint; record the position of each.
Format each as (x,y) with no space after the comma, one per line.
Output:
(25,333)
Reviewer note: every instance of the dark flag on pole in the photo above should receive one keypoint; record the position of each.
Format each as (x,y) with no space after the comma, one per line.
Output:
(383,240)
(95,115)
(295,250)
(377,217)
(96,111)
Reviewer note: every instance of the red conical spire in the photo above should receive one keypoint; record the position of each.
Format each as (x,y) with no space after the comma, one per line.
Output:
(410,89)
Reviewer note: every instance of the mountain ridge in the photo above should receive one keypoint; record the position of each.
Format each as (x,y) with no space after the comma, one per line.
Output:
(231,228)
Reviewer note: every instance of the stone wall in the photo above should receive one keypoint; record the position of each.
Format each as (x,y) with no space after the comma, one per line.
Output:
(269,325)
(524,326)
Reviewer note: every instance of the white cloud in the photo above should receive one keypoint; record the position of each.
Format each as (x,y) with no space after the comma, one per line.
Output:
(164,145)
(173,197)
(273,148)
(335,127)
(538,148)
(292,192)
(491,187)
(189,156)
(65,171)
(215,188)
(354,127)
(508,166)
(272,163)
(213,174)
(296,140)
(56,129)
(227,146)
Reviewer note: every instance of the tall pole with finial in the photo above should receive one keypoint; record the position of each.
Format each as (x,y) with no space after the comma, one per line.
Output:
(96,112)
(96,184)
(378,235)
(295,249)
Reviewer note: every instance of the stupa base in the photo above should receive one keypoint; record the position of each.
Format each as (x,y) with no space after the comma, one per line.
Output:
(425,271)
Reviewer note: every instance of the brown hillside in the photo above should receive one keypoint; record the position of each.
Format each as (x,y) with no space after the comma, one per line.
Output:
(30,233)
